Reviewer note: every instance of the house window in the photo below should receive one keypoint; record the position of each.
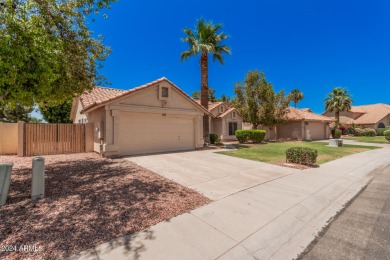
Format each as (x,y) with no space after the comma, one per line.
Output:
(234,115)
(221,109)
(232,128)
(164,92)
(381,125)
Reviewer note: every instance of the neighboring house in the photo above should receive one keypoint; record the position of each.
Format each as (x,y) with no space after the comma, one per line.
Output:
(156,117)
(373,116)
(302,124)
(224,120)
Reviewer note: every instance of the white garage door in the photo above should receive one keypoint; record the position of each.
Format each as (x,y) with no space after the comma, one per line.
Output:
(151,133)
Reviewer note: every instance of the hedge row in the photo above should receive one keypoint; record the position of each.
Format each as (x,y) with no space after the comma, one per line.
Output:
(301,155)
(365,132)
(256,136)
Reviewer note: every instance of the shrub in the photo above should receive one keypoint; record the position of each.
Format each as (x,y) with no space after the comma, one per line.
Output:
(369,132)
(381,131)
(213,138)
(336,133)
(365,132)
(255,136)
(387,135)
(349,131)
(301,155)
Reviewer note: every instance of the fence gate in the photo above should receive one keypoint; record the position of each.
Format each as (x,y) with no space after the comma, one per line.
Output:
(43,139)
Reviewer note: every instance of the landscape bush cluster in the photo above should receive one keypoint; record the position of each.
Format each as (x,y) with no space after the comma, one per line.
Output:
(301,155)
(256,136)
(362,131)
(365,132)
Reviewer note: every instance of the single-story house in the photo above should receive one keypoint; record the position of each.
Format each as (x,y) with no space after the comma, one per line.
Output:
(372,116)
(155,117)
(302,124)
(224,120)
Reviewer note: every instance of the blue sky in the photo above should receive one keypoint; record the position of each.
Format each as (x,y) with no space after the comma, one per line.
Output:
(310,45)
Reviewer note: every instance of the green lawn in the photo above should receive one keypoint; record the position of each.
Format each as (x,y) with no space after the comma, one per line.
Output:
(275,152)
(369,139)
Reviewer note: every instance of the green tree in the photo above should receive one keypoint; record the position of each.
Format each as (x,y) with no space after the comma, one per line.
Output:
(47,52)
(15,112)
(258,103)
(212,98)
(296,96)
(205,39)
(337,101)
(57,114)
(225,99)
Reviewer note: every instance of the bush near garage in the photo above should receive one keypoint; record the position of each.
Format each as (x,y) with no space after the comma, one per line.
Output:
(301,155)
(213,138)
(336,133)
(256,136)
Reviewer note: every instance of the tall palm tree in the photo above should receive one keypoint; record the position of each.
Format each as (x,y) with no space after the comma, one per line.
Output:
(205,39)
(337,101)
(296,96)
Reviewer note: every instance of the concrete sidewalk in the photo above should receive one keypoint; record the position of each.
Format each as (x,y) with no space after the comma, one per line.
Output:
(274,220)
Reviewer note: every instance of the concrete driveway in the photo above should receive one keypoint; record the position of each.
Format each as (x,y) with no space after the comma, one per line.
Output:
(214,175)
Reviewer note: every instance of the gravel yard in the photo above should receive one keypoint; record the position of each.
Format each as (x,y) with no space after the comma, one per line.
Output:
(89,200)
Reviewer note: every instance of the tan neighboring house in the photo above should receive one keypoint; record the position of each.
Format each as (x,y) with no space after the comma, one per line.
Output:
(302,124)
(224,120)
(372,116)
(155,117)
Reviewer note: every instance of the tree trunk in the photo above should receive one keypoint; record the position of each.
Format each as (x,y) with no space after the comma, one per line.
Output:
(337,115)
(204,96)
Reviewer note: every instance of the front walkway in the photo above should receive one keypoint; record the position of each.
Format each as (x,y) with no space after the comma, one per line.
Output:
(214,175)
(274,220)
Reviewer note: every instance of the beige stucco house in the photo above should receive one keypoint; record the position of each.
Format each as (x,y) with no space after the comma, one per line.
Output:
(373,116)
(224,120)
(302,124)
(155,117)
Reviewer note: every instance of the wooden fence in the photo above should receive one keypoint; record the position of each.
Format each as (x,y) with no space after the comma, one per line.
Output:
(44,139)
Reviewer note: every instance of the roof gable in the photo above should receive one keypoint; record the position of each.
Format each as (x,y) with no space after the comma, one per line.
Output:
(102,96)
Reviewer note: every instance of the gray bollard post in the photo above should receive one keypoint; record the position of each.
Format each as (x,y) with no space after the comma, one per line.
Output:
(38,178)
(5,179)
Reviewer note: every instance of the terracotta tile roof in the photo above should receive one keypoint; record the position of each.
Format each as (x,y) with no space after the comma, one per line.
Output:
(371,114)
(212,105)
(295,114)
(99,96)
(231,109)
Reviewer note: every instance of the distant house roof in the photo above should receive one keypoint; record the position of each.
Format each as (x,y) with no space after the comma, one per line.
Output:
(294,114)
(371,114)
(213,105)
(99,95)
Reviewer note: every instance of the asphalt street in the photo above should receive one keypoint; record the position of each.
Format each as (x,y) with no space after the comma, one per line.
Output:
(362,229)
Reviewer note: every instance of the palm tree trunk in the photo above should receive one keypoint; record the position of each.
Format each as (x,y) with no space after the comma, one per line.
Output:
(337,115)
(204,97)
(295,104)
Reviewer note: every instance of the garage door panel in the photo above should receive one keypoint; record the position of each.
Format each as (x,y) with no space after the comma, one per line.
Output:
(151,133)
